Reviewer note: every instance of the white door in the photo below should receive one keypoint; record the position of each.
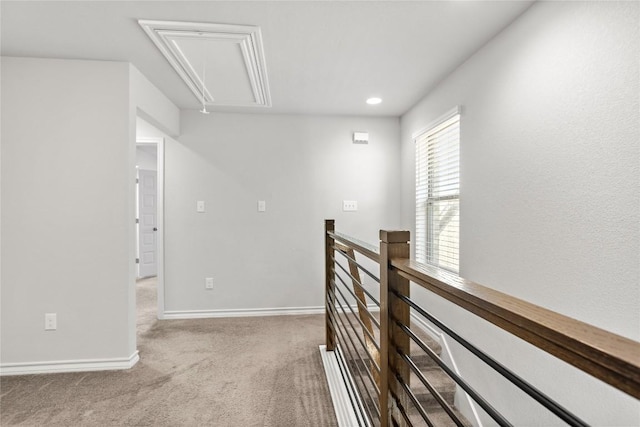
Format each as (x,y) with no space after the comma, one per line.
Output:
(147,225)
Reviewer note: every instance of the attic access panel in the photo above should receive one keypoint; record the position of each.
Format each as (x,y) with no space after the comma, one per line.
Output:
(222,63)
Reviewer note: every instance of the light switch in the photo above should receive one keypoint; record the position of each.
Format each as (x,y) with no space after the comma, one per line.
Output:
(50,321)
(262,206)
(200,206)
(349,205)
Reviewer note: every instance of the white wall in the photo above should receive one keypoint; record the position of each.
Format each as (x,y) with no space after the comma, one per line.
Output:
(145,101)
(146,157)
(145,129)
(68,231)
(152,105)
(65,221)
(303,167)
(549,186)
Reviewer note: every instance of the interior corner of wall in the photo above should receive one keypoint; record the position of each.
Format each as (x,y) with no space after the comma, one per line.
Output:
(173,133)
(152,104)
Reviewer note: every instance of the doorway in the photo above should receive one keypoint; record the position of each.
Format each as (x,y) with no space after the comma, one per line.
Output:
(150,216)
(147,185)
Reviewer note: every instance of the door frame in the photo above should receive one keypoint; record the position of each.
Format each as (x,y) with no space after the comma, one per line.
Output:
(159,143)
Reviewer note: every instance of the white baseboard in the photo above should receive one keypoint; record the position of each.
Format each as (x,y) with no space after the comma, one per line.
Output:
(342,406)
(244,312)
(344,394)
(69,366)
(427,328)
(250,312)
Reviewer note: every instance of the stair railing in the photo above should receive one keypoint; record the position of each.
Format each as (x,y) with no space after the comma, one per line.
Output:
(379,368)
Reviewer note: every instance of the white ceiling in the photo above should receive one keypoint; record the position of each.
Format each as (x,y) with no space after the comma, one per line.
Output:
(322,57)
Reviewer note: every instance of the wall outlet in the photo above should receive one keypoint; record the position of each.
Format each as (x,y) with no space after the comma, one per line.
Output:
(262,206)
(50,321)
(208,283)
(200,206)
(349,205)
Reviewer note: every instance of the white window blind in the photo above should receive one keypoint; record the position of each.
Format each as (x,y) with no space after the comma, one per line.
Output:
(438,194)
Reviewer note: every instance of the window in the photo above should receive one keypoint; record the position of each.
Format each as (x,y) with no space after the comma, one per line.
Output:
(438,193)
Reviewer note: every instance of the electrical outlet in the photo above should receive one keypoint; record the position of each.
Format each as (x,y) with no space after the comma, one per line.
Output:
(208,283)
(262,206)
(200,206)
(349,205)
(50,321)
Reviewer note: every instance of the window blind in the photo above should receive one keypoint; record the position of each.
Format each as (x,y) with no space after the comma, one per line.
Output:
(438,194)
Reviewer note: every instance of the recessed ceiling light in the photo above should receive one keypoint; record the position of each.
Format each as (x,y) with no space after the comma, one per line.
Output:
(374,101)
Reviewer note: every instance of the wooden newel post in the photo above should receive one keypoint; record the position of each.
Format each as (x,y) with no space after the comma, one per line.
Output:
(393,244)
(329,271)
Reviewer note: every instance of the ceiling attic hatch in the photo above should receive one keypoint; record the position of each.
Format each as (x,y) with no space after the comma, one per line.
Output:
(222,64)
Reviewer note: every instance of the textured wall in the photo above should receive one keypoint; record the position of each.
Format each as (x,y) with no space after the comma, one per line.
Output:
(303,167)
(68,231)
(549,185)
(65,220)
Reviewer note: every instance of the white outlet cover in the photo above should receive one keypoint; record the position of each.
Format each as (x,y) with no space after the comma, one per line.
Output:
(262,206)
(200,206)
(361,137)
(208,283)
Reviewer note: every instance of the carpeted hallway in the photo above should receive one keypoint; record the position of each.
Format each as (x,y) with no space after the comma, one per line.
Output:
(255,371)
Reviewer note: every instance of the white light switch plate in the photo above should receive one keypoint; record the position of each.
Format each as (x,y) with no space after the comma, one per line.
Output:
(262,206)
(200,206)
(50,321)
(349,205)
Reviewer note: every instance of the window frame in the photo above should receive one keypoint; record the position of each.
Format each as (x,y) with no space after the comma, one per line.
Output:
(426,198)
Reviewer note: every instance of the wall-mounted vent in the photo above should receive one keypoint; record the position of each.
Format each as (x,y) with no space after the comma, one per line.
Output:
(222,64)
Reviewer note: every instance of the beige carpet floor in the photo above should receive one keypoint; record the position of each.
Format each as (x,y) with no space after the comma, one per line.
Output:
(211,372)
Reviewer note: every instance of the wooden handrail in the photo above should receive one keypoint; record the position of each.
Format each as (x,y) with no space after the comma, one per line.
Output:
(609,357)
(364,248)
